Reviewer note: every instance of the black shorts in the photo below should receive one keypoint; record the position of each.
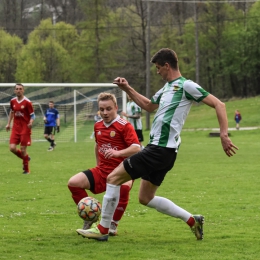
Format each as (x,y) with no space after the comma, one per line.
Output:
(140,135)
(48,130)
(151,164)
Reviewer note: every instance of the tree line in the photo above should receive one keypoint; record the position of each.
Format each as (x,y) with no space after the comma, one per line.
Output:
(98,40)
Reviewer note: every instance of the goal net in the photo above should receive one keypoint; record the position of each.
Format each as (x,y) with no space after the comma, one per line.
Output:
(76,103)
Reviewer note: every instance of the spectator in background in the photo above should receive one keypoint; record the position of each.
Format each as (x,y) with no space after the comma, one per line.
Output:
(237,118)
(22,114)
(97,117)
(52,122)
(133,115)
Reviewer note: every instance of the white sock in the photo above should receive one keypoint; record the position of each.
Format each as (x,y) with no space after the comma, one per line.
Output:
(167,207)
(110,202)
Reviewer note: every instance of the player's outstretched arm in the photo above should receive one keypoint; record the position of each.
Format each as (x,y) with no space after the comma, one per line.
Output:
(228,147)
(139,99)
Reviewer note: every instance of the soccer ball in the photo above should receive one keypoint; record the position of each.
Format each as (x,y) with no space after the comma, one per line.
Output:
(89,209)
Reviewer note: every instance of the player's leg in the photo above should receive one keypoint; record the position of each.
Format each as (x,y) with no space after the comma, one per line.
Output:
(25,141)
(86,180)
(52,134)
(14,150)
(121,207)
(147,197)
(14,141)
(109,204)
(77,185)
(47,136)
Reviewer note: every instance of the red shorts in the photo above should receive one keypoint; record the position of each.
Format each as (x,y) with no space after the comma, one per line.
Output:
(100,181)
(23,140)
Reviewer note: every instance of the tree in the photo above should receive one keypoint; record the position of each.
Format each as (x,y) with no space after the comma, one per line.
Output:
(97,47)
(46,57)
(10,46)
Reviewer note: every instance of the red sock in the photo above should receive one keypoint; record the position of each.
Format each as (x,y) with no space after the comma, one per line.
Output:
(122,204)
(18,153)
(191,221)
(25,159)
(26,163)
(102,229)
(77,193)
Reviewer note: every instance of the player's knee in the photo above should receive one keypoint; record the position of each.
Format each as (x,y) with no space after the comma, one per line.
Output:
(79,180)
(113,178)
(12,149)
(72,182)
(144,200)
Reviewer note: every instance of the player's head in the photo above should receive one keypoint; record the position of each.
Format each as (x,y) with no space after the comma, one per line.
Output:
(166,62)
(51,104)
(19,90)
(166,55)
(107,106)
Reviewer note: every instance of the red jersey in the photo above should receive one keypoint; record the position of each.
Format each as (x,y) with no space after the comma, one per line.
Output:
(117,135)
(22,114)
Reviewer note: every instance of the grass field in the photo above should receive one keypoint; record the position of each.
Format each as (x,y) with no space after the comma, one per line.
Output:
(38,217)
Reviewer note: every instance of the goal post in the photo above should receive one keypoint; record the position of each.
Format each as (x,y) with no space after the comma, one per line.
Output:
(76,102)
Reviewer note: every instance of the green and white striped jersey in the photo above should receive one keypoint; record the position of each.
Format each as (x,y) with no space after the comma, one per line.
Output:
(132,109)
(174,100)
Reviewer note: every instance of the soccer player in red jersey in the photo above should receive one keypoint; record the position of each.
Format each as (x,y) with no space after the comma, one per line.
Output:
(22,114)
(116,140)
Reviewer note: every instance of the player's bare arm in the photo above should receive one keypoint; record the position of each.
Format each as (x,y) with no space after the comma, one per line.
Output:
(96,154)
(31,120)
(139,99)
(228,147)
(133,149)
(10,118)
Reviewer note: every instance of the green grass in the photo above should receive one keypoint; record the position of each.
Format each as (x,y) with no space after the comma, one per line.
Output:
(38,217)
(201,116)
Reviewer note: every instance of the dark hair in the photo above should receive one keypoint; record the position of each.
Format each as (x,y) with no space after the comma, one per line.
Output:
(51,102)
(19,84)
(166,55)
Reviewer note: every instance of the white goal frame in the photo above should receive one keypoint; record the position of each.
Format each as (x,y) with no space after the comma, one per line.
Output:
(69,85)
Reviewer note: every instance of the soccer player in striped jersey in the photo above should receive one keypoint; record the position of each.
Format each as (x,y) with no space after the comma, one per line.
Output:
(22,114)
(115,140)
(133,115)
(173,103)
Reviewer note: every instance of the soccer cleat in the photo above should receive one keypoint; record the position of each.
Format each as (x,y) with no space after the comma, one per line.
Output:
(112,229)
(26,172)
(197,228)
(93,233)
(50,149)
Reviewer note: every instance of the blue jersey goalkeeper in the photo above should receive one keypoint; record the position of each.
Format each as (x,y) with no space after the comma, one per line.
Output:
(52,124)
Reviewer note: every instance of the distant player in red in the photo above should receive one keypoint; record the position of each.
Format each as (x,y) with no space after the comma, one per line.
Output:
(116,140)
(22,114)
